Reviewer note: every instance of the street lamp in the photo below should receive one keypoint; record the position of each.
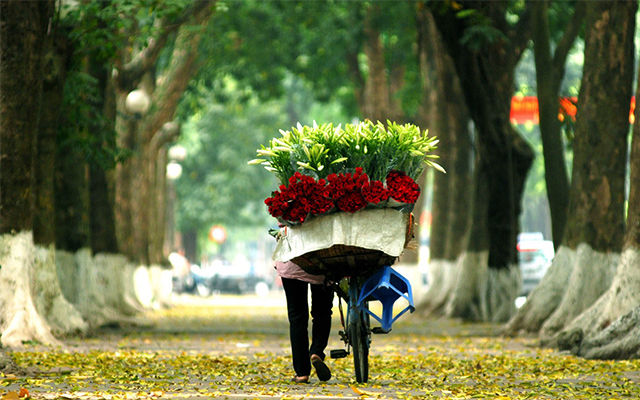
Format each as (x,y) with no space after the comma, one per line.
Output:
(177,153)
(174,170)
(138,102)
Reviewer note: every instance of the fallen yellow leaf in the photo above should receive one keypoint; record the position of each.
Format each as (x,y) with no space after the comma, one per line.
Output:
(11,396)
(358,391)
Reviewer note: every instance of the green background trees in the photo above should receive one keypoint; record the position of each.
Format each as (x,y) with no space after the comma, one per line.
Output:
(81,171)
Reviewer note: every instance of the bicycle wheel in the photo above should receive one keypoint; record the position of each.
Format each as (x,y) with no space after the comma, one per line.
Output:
(359,335)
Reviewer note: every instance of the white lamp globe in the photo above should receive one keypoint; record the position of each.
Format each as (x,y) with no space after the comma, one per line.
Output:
(174,170)
(138,102)
(177,152)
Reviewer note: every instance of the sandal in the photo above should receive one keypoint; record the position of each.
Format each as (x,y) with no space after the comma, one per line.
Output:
(323,372)
(300,379)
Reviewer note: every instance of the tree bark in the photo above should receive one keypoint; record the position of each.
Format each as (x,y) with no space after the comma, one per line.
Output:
(600,145)
(449,121)
(384,81)
(56,59)
(549,74)
(24,27)
(595,228)
(609,328)
(24,30)
(102,166)
(136,236)
(486,68)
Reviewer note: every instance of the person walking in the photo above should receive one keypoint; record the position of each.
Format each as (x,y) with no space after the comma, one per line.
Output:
(296,283)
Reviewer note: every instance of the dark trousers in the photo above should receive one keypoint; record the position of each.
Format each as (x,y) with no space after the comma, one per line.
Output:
(298,313)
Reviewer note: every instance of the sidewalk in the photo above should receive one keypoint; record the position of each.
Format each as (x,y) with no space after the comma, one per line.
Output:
(237,347)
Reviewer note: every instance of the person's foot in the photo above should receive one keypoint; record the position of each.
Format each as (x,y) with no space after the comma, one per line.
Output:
(300,379)
(323,372)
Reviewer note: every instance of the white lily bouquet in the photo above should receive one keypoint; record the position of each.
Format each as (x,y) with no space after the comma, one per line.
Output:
(323,168)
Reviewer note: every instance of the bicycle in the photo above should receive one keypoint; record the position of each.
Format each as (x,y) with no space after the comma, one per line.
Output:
(358,275)
(357,331)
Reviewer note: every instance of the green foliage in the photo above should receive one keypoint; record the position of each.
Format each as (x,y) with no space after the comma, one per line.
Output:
(261,43)
(77,130)
(480,31)
(250,41)
(102,28)
(217,187)
(99,31)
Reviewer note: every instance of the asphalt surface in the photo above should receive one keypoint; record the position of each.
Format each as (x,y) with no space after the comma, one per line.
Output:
(249,335)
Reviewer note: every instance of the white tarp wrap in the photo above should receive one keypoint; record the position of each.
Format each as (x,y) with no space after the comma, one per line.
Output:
(382,229)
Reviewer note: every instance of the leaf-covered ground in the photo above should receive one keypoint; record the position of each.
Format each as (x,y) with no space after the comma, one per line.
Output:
(237,347)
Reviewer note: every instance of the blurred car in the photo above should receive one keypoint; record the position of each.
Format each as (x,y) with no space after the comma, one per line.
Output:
(182,279)
(223,277)
(534,255)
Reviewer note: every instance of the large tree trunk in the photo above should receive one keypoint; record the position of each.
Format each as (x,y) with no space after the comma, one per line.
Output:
(49,301)
(611,327)
(72,202)
(380,102)
(549,74)
(56,59)
(102,166)
(23,32)
(23,36)
(448,119)
(486,75)
(138,190)
(586,262)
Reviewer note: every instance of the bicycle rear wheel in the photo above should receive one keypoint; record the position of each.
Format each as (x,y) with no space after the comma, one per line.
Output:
(359,334)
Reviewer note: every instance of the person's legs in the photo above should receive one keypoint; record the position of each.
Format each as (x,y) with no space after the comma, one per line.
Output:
(321,311)
(298,313)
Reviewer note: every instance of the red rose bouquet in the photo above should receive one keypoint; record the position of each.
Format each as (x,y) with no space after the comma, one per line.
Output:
(402,188)
(324,169)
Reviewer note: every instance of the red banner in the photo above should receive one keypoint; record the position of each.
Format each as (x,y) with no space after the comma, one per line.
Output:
(524,109)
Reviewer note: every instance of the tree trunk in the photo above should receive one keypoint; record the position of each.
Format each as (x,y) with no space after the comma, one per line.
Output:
(449,122)
(56,58)
(101,168)
(486,73)
(24,26)
(597,195)
(610,328)
(134,216)
(157,172)
(72,209)
(384,81)
(595,228)
(468,295)
(549,74)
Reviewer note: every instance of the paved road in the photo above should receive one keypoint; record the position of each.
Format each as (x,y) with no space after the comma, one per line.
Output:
(237,347)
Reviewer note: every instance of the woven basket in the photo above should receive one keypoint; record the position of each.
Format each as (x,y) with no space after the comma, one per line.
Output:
(342,260)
